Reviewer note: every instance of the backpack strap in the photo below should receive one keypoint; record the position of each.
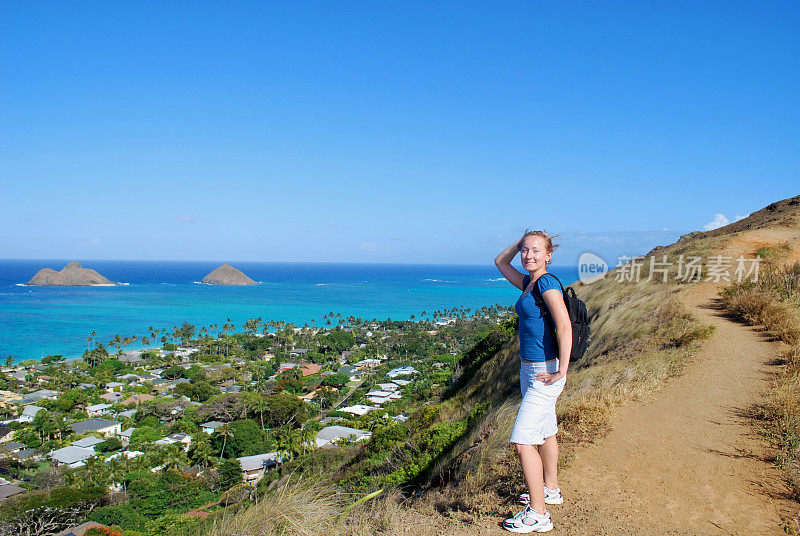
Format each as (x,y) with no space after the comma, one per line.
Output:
(547,314)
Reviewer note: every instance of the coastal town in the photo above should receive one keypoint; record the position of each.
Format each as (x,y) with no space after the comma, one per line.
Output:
(213,413)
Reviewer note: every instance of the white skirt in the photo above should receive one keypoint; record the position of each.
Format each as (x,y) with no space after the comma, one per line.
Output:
(536,418)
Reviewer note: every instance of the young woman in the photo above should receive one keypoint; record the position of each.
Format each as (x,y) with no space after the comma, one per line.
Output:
(543,372)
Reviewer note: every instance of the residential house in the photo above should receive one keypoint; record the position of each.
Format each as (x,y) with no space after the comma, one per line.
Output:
(111,398)
(6,434)
(314,395)
(379,397)
(29,413)
(330,435)
(253,467)
(299,352)
(131,357)
(180,437)
(401,371)
(25,455)
(127,454)
(283,367)
(71,456)
(185,353)
(125,436)
(310,369)
(358,409)
(138,399)
(211,426)
(161,385)
(13,446)
(350,371)
(114,386)
(88,442)
(36,396)
(368,363)
(8,399)
(9,490)
(105,427)
(98,409)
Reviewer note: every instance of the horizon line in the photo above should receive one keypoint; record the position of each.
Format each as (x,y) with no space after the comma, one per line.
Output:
(262,262)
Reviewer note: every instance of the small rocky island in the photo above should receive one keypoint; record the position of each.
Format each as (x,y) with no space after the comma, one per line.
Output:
(72,275)
(227,275)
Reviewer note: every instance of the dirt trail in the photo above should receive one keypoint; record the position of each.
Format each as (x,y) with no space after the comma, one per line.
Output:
(686,460)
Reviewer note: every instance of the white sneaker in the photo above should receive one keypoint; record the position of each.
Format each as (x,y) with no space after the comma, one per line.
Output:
(529,520)
(551,496)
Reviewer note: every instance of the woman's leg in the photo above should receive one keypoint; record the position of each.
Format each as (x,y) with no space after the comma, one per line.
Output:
(532,469)
(548,451)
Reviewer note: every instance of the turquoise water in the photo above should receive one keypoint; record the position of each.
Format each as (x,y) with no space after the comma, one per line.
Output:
(38,321)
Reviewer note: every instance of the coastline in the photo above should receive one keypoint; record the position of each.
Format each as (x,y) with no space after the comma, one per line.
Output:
(38,321)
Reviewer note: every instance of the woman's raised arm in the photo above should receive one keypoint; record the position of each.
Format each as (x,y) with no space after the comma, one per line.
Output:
(503,263)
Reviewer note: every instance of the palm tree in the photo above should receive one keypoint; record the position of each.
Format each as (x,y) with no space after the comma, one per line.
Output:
(116,472)
(202,452)
(225,431)
(60,424)
(306,438)
(175,457)
(95,472)
(261,406)
(286,442)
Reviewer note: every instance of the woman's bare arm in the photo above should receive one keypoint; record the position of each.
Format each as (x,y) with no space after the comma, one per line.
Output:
(503,263)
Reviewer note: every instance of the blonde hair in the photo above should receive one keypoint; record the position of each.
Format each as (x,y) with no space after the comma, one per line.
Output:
(548,240)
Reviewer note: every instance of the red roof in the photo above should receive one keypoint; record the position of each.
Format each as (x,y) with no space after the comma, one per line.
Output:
(311,368)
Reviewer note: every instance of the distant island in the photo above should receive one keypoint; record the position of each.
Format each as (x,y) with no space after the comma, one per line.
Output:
(72,275)
(227,275)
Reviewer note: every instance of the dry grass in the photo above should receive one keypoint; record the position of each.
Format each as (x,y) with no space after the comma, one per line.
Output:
(302,508)
(772,302)
(305,508)
(779,415)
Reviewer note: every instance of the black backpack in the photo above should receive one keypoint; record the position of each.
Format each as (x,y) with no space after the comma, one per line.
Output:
(578,316)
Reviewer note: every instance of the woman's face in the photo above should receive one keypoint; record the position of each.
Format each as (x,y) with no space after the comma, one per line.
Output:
(534,253)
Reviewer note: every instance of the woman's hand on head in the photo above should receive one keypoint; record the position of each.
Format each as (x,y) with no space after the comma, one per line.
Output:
(549,378)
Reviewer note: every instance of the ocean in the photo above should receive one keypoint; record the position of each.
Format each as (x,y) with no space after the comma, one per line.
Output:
(40,321)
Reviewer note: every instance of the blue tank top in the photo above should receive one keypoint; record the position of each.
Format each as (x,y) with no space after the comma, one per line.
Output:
(535,338)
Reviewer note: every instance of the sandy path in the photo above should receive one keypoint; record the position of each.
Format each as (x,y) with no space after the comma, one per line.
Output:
(684,461)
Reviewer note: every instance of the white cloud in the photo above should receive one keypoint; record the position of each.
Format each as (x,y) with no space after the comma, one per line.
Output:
(187,219)
(369,246)
(719,221)
(740,217)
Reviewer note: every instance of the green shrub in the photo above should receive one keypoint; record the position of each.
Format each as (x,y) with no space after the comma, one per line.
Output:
(123,515)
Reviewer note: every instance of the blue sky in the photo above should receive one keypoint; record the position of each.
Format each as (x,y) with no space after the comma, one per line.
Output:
(388,131)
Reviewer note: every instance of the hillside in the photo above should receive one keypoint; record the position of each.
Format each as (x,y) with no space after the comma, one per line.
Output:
(653,424)
(73,274)
(227,275)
